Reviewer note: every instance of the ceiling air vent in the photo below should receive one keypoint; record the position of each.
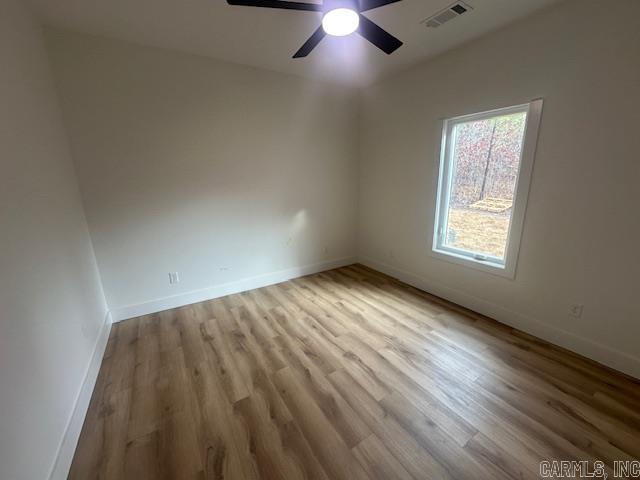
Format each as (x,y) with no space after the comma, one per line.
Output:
(452,11)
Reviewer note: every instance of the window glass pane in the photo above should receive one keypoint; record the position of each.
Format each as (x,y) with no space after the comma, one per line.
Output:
(485,157)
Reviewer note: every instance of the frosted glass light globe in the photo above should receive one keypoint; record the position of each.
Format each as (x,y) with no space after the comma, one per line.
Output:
(340,22)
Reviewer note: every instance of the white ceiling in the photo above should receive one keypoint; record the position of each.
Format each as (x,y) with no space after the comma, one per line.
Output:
(267,38)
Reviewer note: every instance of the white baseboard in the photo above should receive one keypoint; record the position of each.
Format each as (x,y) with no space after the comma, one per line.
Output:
(67,448)
(588,348)
(221,290)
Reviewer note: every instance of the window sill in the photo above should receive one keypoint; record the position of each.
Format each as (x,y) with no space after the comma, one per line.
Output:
(487,266)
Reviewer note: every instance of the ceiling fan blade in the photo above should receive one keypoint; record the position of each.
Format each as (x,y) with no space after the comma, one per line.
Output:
(310,44)
(312,7)
(376,35)
(371,4)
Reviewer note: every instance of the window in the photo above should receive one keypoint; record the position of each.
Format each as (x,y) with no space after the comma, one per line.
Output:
(485,167)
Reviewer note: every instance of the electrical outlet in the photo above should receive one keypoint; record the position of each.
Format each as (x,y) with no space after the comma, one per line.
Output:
(575,310)
(173,278)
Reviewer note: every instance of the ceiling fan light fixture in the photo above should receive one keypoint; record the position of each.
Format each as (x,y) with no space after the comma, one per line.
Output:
(340,18)
(340,22)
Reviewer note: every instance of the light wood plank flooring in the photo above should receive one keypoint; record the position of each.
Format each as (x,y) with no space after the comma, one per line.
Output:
(346,374)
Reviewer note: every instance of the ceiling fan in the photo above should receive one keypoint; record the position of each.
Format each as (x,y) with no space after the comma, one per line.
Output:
(340,18)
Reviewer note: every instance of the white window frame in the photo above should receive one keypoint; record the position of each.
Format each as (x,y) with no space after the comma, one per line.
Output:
(486,263)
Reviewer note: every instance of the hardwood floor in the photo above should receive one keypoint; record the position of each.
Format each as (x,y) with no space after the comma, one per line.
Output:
(347,374)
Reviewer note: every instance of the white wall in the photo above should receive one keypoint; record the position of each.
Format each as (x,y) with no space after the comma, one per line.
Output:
(216,171)
(52,309)
(580,241)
